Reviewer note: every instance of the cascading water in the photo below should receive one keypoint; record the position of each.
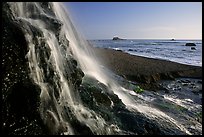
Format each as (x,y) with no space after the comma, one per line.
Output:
(57,95)
(53,43)
(91,66)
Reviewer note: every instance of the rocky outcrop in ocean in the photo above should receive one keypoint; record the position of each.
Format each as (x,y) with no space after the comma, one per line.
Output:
(117,38)
(190,44)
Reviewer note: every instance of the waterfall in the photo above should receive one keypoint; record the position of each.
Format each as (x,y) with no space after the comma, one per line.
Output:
(53,72)
(53,45)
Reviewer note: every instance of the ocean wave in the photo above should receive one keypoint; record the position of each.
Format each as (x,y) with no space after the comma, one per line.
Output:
(152,43)
(168,42)
(170,50)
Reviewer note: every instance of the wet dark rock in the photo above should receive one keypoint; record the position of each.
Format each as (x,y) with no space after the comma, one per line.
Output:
(199,81)
(76,75)
(96,97)
(193,48)
(130,50)
(79,128)
(110,107)
(190,44)
(20,95)
(24,99)
(52,23)
(139,124)
(21,110)
(98,94)
(48,7)
(185,81)
(184,84)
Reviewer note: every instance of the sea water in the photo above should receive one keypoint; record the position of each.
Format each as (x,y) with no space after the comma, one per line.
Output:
(171,50)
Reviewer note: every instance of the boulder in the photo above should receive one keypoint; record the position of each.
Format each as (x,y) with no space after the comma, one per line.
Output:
(190,44)
(193,48)
(130,50)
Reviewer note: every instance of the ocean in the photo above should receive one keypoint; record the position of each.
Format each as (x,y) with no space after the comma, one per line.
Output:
(171,50)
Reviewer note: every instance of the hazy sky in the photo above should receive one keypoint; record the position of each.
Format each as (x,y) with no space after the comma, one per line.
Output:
(137,20)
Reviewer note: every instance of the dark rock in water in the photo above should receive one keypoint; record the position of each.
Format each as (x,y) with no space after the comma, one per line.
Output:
(185,81)
(131,50)
(117,38)
(193,48)
(120,50)
(199,81)
(190,44)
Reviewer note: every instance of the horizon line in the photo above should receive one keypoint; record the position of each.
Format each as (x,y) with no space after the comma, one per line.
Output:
(147,39)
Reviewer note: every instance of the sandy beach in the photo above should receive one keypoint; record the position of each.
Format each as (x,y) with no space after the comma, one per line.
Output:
(144,70)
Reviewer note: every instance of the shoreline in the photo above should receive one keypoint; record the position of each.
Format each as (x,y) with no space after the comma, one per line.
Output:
(143,70)
(162,59)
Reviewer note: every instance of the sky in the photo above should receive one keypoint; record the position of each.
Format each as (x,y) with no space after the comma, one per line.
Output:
(137,20)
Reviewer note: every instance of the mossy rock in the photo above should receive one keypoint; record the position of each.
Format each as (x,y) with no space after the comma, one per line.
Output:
(138,89)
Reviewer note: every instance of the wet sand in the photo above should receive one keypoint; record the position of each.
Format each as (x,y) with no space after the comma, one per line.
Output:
(145,70)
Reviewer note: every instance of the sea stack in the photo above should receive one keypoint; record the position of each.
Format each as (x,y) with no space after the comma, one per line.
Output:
(117,38)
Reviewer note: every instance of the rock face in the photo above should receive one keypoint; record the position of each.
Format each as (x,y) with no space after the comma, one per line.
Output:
(20,95)
(190,44)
